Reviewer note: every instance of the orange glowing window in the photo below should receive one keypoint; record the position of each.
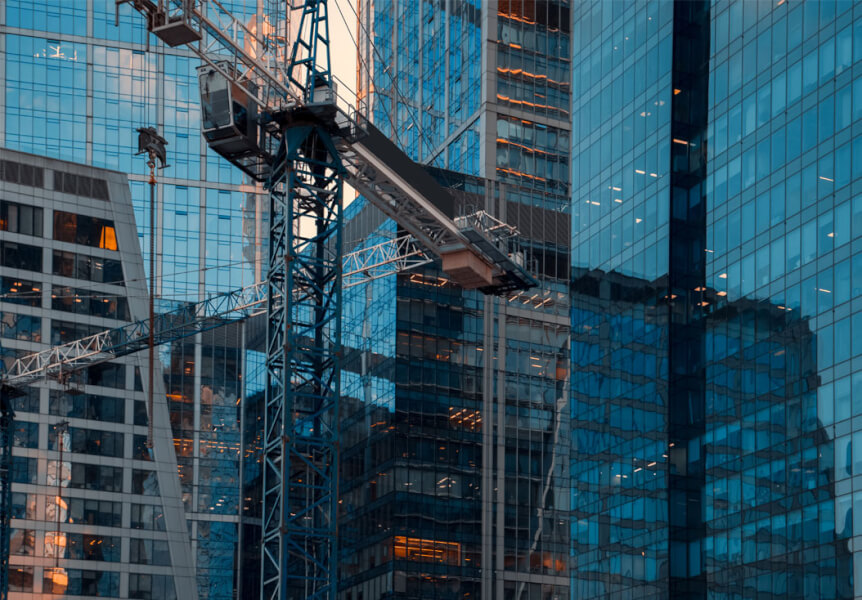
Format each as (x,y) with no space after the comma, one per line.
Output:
(422,550)
(108,239)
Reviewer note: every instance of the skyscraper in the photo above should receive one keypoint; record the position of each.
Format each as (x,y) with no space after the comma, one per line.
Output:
(713,319)
(75,87)
(455,446)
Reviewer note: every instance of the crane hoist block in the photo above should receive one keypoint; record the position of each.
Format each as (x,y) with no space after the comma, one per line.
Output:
(466,269)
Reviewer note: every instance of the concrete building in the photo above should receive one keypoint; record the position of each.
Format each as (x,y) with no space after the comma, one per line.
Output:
(94,512)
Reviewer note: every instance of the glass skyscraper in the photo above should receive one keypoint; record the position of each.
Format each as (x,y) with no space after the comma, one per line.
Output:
(94,511)
(74,86)
(715,327)
(456,406)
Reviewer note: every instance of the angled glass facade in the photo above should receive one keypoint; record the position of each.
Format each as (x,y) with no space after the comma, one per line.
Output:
(75,86)
(94,512)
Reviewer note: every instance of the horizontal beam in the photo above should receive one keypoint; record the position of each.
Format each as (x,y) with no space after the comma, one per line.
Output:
(184,321)
(361,266)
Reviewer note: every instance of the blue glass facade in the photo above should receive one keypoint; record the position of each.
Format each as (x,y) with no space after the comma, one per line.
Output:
(75,86)
(713,299)
(456,442)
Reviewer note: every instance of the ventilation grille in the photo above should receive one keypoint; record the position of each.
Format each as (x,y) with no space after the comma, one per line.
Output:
(15,172)
(81,185)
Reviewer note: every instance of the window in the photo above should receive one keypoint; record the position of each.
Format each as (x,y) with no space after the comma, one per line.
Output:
(67,331)
(28,401)
(96,477)
(93,441)
(147,516)
(85,302)
(95,512)
(416,549)
(84,230)
(87,406)
(77,582)
(20,291)
(25,434)
(20,256)
(90,268)
(24,470)
(23,505)
(20,327)
(20,579)
(151,587)
(139,447)
(20,218)
(144,482)
(82,546)
(15,172)
(149,552)
(22,542)
(81,185)
(107,375)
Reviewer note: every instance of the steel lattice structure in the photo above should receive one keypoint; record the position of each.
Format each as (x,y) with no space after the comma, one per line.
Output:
(391,256)
(182,322)
(301,432)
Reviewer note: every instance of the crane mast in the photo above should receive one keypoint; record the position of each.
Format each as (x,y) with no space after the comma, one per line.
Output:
(299,541)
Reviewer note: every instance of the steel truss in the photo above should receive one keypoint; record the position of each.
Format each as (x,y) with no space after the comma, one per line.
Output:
(258,56)
(301,430)
(303,355)
(185,321)
(391,256)
(366,264)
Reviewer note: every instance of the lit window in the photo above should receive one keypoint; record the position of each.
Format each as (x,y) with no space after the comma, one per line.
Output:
(108,239)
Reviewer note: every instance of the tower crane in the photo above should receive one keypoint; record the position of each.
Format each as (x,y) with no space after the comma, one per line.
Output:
(270,108)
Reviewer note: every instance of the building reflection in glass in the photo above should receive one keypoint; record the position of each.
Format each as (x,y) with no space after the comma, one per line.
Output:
(773,514)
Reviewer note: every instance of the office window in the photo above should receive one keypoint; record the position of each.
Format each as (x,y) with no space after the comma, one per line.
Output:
(20,256)
(90,268)
(84,230)
(20,218)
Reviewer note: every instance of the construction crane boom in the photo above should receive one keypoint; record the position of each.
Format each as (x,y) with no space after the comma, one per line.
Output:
(184,321)
(392,256)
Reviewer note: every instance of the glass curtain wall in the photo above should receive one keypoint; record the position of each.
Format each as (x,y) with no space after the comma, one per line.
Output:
(75,87)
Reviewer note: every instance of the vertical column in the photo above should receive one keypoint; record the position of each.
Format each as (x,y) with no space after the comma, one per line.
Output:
(301,428)
(488,457)
(89,144)
(687,273)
